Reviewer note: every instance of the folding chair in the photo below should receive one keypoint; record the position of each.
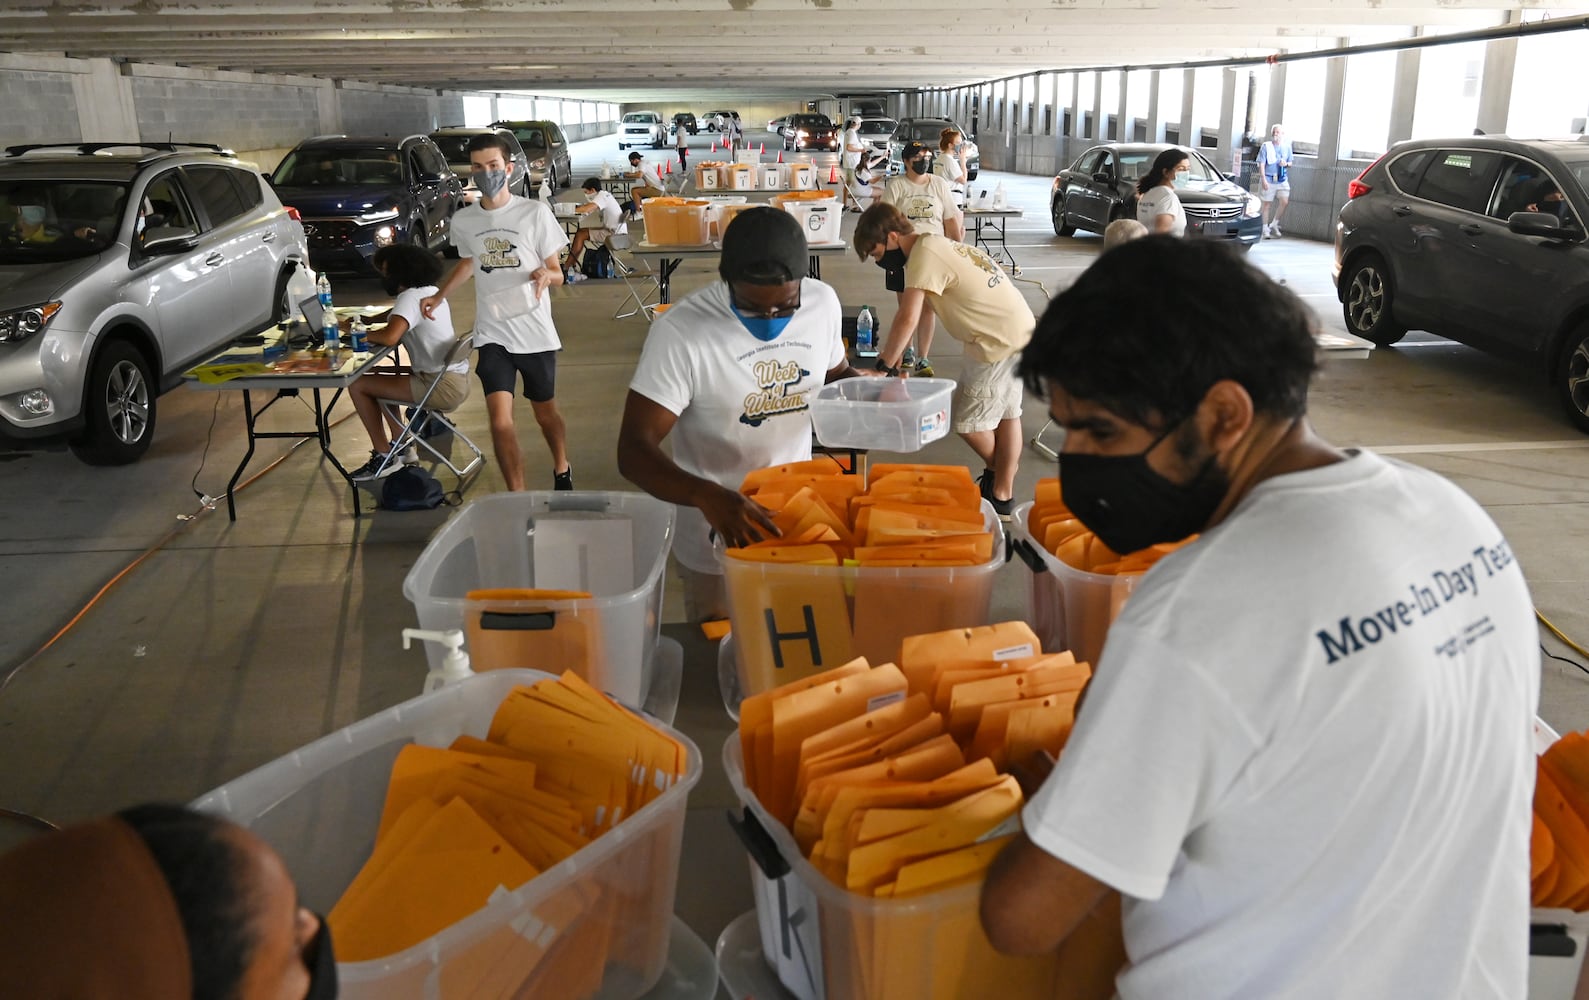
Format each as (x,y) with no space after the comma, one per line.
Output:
(420,414)
(1043,447)
(641,282)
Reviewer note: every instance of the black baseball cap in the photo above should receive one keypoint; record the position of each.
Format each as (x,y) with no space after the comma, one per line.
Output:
(764,246)
(915,149)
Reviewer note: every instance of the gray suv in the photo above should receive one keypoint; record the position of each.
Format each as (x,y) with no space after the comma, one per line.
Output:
(121,266)
(1481,240)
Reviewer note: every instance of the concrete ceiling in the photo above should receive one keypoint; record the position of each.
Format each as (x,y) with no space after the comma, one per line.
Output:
(633,50)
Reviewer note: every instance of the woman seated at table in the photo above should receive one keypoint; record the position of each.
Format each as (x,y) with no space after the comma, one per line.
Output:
(410,273)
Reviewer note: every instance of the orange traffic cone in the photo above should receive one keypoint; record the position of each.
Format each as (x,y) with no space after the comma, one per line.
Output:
(659,169)
(780,156)
(833,175)
(763,149)
(714,145)
(670,167)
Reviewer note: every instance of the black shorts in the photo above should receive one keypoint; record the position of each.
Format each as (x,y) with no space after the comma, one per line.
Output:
(496,367)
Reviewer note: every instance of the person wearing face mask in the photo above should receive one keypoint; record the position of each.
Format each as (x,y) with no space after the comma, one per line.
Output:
(515,245)
(1305,752)
(950,163)
(410,274)
(603,216)
(642,189)
(1548,198)
(982,309)
(727,375)
(1158,206)
(929,203)
(158,903)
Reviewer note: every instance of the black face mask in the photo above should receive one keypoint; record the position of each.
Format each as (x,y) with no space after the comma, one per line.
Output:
(922,164)
(892,260)
(322,962)
(1129,506)
(390,285)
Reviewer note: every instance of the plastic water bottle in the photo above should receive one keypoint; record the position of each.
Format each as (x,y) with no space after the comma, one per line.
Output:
(361,336)
(998,196)
(864,336)
(328,320)
(546,191)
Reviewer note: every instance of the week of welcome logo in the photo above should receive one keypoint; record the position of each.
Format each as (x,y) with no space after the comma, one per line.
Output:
(772,397)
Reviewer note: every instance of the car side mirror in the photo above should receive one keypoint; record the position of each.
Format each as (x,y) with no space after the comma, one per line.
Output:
(430,180)
(1103,177)
(164,240)
(1540,224)
(1231,177)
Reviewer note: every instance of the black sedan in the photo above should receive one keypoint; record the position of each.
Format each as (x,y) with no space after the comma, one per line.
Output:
(811,132)
(1101,186)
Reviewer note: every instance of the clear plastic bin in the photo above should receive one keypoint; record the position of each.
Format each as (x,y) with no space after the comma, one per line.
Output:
(885,414)
(774,176)
(819,217)
(741,964)
(792,621)
(825,943)
(613,546)
(675,221)
(319,807)
(1068,608)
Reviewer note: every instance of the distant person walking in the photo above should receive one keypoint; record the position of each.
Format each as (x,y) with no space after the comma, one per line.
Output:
(1274,179)
(1158,206)
(681,142)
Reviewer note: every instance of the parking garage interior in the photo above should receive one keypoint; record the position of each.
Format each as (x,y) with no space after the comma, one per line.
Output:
(154,650)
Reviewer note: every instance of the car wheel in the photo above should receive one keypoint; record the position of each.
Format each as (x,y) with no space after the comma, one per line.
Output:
(1571,376)
(551,177)
(568,174)
(118,408)
(1366,305)
(1061,227)
(283,307)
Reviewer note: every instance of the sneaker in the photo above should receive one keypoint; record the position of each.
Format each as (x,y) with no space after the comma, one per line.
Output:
(563,480)
(410,456)
(985,484)
(1274,230)
(372,470)
(923,368)
(909,360)
(1003,508)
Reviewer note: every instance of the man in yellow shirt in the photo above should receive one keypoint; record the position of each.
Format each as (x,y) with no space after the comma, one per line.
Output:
(983,310)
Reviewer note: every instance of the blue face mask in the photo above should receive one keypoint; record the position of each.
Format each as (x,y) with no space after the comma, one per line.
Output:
(762,327)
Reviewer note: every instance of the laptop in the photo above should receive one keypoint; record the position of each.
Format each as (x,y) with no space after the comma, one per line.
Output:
(313,312)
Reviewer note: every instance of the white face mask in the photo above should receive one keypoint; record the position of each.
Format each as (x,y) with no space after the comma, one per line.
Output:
(1179,178)
(590,196)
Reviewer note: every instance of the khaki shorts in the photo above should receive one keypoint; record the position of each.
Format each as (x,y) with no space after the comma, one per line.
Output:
(448,395)
(1274,188)
(988,394)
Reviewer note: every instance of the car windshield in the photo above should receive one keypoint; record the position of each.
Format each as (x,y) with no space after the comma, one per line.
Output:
(454,147)
(339,167)
(811,121)
(639,118)
(55,220)
(927,131)
(1580,172)
(881,126)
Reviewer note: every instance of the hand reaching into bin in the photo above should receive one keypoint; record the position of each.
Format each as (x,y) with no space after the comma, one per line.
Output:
(736,518)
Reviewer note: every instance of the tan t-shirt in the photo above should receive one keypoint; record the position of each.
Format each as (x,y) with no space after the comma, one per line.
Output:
(926,205)
(978,303)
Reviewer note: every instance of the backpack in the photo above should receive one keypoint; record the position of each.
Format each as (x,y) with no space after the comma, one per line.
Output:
(411,488)
(597,262)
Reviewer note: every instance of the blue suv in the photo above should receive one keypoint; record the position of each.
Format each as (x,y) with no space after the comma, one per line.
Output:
(357,195)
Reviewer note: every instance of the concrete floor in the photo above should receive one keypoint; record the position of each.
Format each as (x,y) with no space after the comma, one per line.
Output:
(226,645)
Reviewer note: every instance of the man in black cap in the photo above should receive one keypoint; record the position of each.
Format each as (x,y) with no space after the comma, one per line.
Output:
(929,203)
(728,373)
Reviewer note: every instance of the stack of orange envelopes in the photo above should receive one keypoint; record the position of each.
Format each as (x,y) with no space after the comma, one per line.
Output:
(561,765)
(892,781)
(1560,842)
(812,602)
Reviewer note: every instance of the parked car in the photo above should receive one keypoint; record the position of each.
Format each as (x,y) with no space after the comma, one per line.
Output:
(717,121)
(1101,186)
(454,145)
(1439,235)
(777,125)
(686,121)
(928,130)
(875,132)
(811,131)
(642,128)
(148,258)
(358,194)
(546,148)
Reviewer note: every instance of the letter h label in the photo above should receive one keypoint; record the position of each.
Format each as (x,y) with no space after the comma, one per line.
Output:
(779,638)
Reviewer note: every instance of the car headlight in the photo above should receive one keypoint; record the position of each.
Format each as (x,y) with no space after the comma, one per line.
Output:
(539,164)
(20,324)
(1252,209)
(802,133)
(376,215)
(384,235)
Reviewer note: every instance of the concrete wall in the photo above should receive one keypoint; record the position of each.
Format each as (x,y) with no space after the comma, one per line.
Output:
(39,107)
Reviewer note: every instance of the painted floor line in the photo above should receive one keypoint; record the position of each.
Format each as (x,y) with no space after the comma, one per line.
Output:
(1450,449)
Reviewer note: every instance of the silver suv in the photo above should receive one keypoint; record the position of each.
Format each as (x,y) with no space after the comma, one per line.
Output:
(121,266)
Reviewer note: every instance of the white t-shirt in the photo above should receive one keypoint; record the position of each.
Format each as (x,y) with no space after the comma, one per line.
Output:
(852,137)
(926,205)
(1161,200)
(1306,756)
(427,340)
(608,214)
(507,245)
(742,403)
(947,166)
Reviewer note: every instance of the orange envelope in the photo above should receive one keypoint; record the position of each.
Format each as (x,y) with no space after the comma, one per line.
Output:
(805,713)
(950,675)
(922,833)
(967,700)
(921,655)
(755,714)
(754,480)
(944,870)
(882,470)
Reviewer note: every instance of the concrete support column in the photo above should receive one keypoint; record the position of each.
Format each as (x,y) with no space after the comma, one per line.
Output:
(1155,122)
(1404,96)
(1097,104)
(1188,91)
(1495,86)
(1228,126)
(1122,123)
(330,108)
(1330,124)
(1075,106)
(105,108)
(1057,126)
(1277,99)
